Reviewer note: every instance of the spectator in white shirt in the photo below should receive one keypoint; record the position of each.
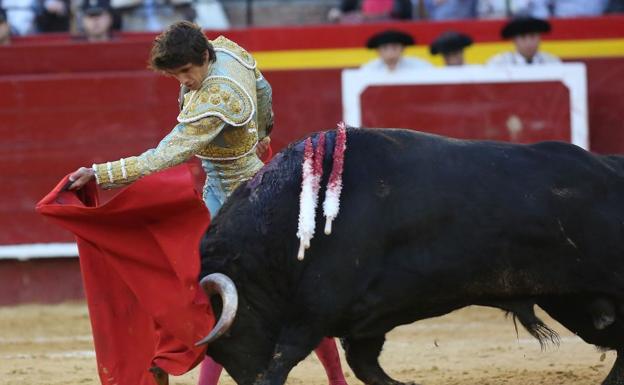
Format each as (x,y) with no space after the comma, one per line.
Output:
(450,9)
(497,9)
(577,8)
(152,15)
(21,15)
(541,8)
(526,35)
(390,45)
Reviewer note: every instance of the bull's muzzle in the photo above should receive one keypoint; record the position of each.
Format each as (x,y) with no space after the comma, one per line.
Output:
(220,284)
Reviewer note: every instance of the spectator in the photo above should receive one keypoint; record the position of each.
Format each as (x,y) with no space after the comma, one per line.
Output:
(451,45)
(576,8)
(53,15)
(450,9)
(390,45)
(20,15)
(153,15)
(526,34)
(211,15)
(97,20)
(498,9)
(5,29)
(354,11)
(615,6)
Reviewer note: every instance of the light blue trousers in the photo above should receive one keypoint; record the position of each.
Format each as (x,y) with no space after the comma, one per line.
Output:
(214,195)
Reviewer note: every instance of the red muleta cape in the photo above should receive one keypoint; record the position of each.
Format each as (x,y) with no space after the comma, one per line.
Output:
(139,257)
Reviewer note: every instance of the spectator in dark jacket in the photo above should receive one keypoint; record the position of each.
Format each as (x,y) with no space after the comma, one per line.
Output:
(97,20)
(53,15)
(615,6)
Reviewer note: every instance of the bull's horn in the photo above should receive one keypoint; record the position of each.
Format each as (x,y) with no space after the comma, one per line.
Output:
(223,285)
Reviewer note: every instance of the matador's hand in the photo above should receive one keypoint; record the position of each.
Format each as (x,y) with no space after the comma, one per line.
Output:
(81,177)
(262,147)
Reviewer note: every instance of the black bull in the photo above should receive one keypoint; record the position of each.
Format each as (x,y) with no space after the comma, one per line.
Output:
(427,225)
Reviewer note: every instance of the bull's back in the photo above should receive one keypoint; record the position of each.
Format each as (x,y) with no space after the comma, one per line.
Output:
(445,208)
(408,170)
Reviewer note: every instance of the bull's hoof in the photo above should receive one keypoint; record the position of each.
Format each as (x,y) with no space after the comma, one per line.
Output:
(160,376)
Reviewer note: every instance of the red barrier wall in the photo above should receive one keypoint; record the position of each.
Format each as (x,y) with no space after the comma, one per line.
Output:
(519,112)
(52,124)
(66,104)
(40,280)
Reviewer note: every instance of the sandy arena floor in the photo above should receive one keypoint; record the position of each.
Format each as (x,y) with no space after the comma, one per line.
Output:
(474,346)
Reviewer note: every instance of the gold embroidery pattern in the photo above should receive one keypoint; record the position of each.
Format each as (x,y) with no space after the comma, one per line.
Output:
(240,53)
(232,142)
(234,172)
(104,177)
(235,108)
(218,122)
(184,141)
(203,126)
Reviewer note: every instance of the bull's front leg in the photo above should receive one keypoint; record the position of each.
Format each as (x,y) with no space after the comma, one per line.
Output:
(363,357)
(293,347)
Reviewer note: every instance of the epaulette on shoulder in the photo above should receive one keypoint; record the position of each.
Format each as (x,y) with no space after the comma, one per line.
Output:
(225,45)
(220,97)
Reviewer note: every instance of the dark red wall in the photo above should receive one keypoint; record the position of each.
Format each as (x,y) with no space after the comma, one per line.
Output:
(52,124)
(40,280)
(605,91)
(537,111)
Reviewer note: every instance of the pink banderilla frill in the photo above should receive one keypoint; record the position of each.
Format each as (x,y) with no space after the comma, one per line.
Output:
(331,205)
(312,173)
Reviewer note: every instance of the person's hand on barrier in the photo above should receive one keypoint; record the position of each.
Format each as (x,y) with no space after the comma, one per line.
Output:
(81,177)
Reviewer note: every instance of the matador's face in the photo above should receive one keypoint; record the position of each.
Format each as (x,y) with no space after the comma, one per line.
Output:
(190,75)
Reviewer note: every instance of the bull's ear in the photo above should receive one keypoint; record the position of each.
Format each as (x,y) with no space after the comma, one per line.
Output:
(221,284)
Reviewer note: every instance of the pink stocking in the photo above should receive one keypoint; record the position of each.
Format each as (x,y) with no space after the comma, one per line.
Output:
(209,372)
(327,353)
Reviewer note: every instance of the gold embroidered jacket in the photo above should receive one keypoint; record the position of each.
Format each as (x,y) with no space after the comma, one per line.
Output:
(220,123)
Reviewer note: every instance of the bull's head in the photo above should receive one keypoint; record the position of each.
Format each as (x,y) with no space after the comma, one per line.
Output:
(241,340)
(221,284)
